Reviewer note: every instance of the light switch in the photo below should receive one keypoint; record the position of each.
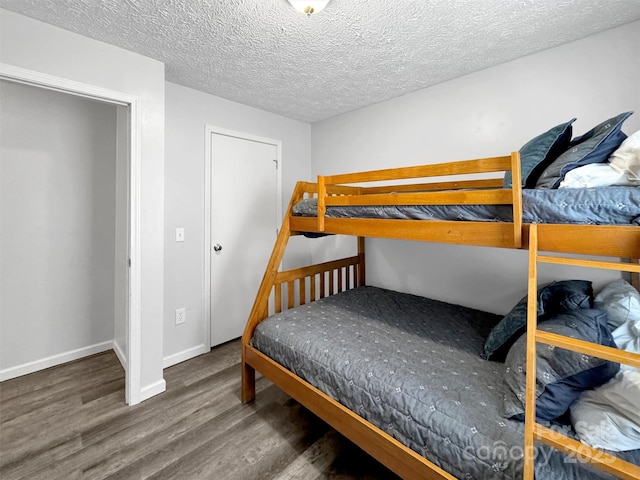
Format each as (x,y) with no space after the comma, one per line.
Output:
(180,234)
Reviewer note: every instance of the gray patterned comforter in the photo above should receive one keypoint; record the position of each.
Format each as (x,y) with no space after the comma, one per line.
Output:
(412,367)
(600,206)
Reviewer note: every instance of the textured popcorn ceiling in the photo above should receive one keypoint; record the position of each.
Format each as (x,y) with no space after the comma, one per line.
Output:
(355,53)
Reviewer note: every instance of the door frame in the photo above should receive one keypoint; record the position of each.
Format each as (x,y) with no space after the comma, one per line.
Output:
(134,159)
(208,198)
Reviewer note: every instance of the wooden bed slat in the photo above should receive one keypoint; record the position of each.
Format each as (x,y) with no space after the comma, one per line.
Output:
(589,348)
(584,453)
(331,281)
(290,294)
(579,262)
(489,234)
(419,187)
(463,167)
(278,297)
(312,188)
(621,241)
(302,291)
(453,197)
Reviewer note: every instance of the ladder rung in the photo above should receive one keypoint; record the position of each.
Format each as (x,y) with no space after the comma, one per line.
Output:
(578,262)
(589,348)
(584,453)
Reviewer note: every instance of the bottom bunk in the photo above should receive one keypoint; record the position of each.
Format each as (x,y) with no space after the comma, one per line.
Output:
(412,367)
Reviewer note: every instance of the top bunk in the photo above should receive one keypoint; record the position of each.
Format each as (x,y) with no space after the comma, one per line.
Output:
(470,202)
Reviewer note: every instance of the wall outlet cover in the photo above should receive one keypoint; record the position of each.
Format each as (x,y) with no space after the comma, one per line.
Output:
(181,316)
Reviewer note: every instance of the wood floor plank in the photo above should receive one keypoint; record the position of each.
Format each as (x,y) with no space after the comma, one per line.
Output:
(99,458)
(173,402)
(33,443)
(235,449)
(66,386)
(311,464)
(190,372)
(71,422)
(33,383)
(181,445)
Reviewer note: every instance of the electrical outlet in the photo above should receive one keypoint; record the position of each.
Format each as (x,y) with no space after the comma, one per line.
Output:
(181,316)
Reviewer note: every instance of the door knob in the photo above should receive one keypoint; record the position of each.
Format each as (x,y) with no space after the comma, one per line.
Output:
(217,247)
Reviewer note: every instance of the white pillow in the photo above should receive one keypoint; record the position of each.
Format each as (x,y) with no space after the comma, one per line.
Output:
(594,175)
(608,416)
(627,338)
(626,159)
(621,302)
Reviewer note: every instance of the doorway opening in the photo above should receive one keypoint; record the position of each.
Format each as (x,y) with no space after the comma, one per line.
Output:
(125,290)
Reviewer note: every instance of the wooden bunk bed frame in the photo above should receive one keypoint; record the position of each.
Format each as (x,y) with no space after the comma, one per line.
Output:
(285,289)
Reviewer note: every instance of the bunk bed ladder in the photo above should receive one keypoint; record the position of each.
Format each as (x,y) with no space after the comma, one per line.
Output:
(535,431)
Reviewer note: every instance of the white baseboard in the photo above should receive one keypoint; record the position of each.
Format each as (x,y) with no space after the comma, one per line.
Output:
(120,354)
(52,361)
(155,388)
(184,355)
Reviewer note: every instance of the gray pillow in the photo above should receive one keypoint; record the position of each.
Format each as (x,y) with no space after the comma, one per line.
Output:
(561,375)
(539,152)
(595,146)
(554,298)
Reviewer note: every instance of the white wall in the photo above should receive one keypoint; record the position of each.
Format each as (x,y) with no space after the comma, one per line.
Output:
(37,46)
(187,113)
(491,112)
(57,211)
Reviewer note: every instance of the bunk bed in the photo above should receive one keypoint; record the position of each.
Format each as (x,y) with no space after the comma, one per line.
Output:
(312,332)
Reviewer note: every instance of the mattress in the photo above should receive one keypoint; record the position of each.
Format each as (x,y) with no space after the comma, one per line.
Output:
(412,367)
(618,205)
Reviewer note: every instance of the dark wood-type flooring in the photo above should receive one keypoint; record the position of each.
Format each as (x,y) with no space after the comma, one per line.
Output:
(71,422)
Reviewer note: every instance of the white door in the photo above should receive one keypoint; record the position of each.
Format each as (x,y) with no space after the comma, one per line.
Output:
(244,208)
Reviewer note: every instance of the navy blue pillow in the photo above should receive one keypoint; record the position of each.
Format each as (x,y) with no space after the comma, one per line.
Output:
(561,375)
(595,146)
(539,152)
(554,298)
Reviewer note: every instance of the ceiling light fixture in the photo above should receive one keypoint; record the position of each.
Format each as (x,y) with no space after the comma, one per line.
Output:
(309,7)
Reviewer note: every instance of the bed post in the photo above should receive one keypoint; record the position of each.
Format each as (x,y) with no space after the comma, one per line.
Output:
(362,279)
(260,309)
(322,193)
(516,188)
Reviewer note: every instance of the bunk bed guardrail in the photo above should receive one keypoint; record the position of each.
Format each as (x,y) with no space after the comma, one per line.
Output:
(339,190)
